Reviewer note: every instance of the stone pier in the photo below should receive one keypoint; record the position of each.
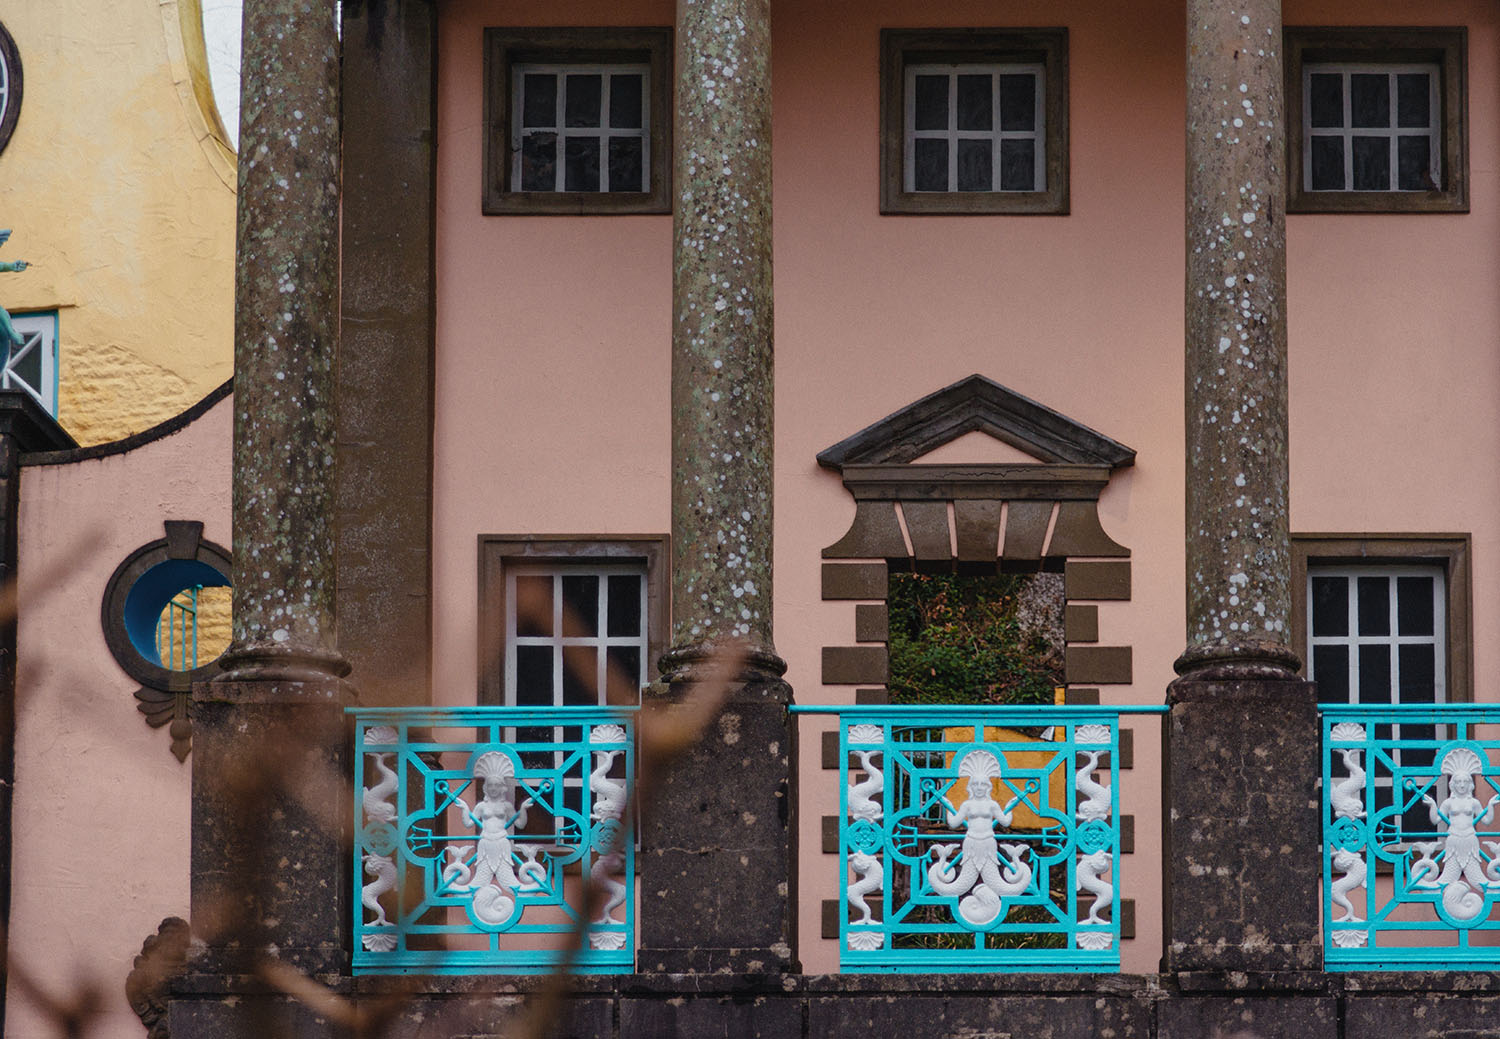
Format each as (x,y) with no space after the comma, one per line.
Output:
(1242,734)
(269,869)
(718,851)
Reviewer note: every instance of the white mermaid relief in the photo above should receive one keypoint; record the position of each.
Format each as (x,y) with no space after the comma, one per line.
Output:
(1462,879)
(980,883)
(495,885)
(609,806)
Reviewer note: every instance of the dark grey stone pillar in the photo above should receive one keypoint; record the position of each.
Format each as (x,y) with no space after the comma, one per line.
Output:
(270,798)
(384,372)
(1242,839)
(718,861)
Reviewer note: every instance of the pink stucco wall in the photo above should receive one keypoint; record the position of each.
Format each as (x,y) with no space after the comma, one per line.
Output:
(101,805)
(554,341)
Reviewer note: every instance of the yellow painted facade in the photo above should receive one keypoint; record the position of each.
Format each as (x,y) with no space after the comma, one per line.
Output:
(120,191)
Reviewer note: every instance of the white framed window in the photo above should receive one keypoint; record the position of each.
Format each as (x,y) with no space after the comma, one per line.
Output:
(974,121)
(1372,127)
(1376,119)
(976,128)
(581,127)
(32,366)
(572,631)
(1378,635)
(578,120)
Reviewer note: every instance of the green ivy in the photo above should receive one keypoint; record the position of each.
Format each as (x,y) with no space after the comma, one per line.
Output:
(958,640)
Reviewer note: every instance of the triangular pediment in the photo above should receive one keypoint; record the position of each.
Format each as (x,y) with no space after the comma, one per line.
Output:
(983,405)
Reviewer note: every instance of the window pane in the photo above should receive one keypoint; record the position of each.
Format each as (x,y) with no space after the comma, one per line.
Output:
(626,166)
(1325,96)
(932,105)
(625,101)
(29,368)
(1414,99)
(534,605)
(1414,605)
(1018,102)
(580,594)
(534,675)
(1018,165)
(539,162)
(931,173)
(975,106)
(581,164)
(975,165)
(1330,606)
(1375,674)
(538,99)
(1331,672)
(1414,164)
(1418,674)
(625,670)
(581,101)
(1374,606)
(1369,99)
(1327,164)
(624,605)
(1372,164)
(580,676)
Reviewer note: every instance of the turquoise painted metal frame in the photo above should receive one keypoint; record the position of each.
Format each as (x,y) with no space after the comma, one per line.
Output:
(1043,753)
(433,924)
(1413,893)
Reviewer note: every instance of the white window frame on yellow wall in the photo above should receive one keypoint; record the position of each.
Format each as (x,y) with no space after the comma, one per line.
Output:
(38,333)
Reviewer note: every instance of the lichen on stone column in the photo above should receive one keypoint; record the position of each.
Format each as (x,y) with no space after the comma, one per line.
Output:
(722,385)
(1238,549)
(286,314)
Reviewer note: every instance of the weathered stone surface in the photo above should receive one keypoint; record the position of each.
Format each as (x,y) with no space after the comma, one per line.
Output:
(269,858)
(285,332)
(248,1017)
(1238,550)
(755,1017)
(1242,830)
(1436,1015)
(722,388)
(718,849)
(484,1015)
(1052,1017)
(1249,1017)
(384,369)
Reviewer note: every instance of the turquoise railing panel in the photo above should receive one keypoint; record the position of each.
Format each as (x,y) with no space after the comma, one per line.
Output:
(483,833)
(1411,837)
(979,838)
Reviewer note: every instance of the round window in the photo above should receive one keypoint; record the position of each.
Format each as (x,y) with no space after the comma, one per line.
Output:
(166,621)
(10,86)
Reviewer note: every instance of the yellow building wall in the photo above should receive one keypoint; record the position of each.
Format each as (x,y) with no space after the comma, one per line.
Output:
(120,193)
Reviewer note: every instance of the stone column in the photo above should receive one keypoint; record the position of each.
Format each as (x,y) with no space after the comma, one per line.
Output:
(1242,864)
(718,854)
(269,866)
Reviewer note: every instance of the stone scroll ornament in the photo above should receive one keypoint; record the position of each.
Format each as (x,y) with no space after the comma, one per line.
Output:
(978,881)
(1094,837)
(1465,875)
(866,815)
(609,837)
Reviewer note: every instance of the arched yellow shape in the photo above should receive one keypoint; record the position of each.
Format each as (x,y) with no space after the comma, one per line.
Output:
(182,22)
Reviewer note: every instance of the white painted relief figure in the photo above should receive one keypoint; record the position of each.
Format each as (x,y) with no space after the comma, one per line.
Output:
(1094,802)
(980,882)
(1463,878)
(1347,795)
(871,877)
(495,884)
(1352,865)
(378,804)
(609,806)
(1091,870)
(864,797)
